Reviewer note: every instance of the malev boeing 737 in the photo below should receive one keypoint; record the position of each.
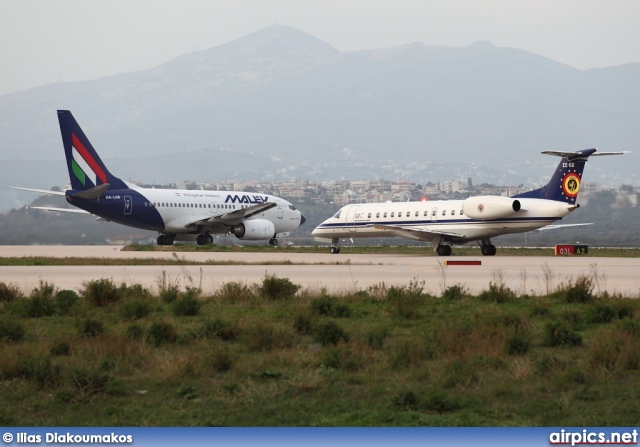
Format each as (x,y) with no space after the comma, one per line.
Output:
(444,223)
(186,215)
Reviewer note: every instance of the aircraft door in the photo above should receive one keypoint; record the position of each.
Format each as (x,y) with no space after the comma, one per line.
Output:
(434,215)
(280,212)
(128,205)
(350,217)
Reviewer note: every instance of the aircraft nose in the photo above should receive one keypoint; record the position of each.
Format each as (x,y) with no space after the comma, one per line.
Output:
(302,219)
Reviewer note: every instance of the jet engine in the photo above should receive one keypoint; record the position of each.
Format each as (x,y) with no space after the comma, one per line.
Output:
(253,230)
(490,207)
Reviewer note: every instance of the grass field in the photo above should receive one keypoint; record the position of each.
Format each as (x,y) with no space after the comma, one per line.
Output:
(271,354)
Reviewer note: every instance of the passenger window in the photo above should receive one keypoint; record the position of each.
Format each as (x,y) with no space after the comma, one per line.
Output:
(369,216)
(377,214)
(433,213)
(426,213)
(385,215)
(461,212)
(444,212)
(453,212)
(417,213)
(392,213)
(400,214)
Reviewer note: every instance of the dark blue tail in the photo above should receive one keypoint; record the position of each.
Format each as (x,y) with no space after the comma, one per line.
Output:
(86,169)
(565,183)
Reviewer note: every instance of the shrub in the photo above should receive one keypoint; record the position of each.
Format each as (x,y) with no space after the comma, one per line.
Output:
(498,293)
(600,313)
(187,305)
(406,401)
(274,288)
(234,292)
(347,357)
(406,301)
(169,293)
(329,333)
(375,337)
(303,323)
(41,370)
(265,337)
(454,292)
(135,309)
(580,291)
(218,328)
(329,306)
(161,333)
(90,381)
(9,292)
(135,332)
(65,300)
(221,360)
(11,330)
(100,292)
(91,328)
(517,343)
(559,333)
(40,303)
(60,349)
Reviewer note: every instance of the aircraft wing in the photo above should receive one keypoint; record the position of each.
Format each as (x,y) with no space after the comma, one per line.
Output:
(60,210)
(412,233)
(234,217)
(553,227)
(41,191)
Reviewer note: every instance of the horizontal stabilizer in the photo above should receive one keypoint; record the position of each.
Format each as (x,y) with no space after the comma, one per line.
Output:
(92,193)
(41,191)
(60,210)
(555,227)
(582,154)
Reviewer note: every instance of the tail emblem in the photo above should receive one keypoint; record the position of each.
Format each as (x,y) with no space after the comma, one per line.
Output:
(83,165)
(571,185)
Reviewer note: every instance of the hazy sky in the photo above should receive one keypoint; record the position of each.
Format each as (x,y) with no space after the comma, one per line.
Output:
(45,41)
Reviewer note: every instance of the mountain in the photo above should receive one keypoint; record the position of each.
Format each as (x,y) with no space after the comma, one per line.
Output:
(280,103)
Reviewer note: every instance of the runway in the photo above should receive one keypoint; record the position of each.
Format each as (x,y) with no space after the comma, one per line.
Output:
(337,273)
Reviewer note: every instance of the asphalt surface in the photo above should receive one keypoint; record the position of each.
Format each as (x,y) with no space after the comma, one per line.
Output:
(336,273)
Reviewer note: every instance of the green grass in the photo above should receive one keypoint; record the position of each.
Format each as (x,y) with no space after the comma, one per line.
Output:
(187,248)
(375,357)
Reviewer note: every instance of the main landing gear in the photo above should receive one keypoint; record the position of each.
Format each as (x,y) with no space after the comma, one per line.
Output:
(273,241)
(488,249)
(165,239)
(204,239)
(443,250)
(335,246)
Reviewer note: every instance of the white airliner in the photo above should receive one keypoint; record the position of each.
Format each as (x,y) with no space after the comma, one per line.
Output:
(185,215)
(444,223)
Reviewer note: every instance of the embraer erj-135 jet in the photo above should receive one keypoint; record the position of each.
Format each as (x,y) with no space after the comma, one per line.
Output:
(444,223)
(185,215)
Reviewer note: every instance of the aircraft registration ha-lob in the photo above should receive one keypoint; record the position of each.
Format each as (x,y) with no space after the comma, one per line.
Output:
(186,215)
(444,223)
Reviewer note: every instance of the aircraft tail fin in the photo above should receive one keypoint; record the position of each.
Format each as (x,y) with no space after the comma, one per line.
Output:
(86,169)
(565,182)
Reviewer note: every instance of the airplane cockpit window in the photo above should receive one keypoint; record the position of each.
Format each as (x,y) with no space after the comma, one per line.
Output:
(291,207)
(337,215)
